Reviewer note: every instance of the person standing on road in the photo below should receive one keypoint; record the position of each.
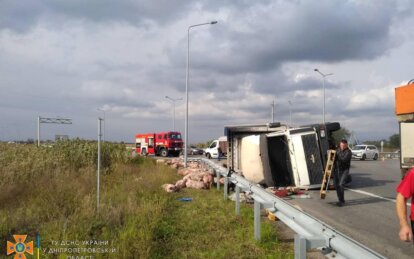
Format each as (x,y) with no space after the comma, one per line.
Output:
(343,163)
(218,153)
(405,191)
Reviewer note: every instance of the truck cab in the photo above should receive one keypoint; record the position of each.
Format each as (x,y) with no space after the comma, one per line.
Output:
(404,109)
(159,144)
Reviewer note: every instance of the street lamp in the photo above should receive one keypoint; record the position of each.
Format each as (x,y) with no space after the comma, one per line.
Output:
(104,123)
(290,113)
(323,80)
(173,101)
(187,85)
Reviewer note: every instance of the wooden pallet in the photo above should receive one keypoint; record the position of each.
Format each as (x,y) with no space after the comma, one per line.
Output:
(328,172)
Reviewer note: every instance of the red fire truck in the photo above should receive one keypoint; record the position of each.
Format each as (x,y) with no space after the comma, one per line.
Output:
(160,144)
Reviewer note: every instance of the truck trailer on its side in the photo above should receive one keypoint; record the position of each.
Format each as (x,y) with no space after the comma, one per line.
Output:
(277,155)
(404,109)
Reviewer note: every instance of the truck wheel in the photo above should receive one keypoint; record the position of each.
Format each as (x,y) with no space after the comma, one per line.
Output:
(164,152)
(363,157)
(208,155)
(376,157)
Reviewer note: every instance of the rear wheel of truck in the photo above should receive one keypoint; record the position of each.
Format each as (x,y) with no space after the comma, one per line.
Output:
(164,152)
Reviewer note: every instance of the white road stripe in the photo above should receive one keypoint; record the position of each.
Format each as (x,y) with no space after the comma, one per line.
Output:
(374,195)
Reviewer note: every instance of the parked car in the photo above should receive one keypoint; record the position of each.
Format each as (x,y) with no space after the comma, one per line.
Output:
(363,152)
(193,150)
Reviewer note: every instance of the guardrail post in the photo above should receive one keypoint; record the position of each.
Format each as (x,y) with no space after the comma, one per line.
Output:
(300,247)
(226,187)
(312,233)
(218,179)
(257,226)
(237,200)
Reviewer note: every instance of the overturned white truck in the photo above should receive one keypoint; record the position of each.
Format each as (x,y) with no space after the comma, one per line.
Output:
(277,155)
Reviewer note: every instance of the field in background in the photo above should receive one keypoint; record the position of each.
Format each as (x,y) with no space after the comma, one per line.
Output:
(51,191)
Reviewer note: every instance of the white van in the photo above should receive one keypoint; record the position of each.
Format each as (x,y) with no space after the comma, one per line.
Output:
(212,150)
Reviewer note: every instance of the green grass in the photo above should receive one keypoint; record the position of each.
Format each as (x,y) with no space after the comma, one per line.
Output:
(51,191)
(208,227)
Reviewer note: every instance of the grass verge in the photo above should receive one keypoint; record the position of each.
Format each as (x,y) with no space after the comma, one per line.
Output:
(136,219)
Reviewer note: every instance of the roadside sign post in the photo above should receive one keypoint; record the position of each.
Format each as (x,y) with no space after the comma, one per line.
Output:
(58,120)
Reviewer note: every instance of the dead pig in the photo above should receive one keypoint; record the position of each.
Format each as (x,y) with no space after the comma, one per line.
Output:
(195,184)
(169,187)
(180,184)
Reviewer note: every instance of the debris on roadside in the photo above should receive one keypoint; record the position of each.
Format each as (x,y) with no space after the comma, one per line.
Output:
(244,197)
(271,216)
(197,177)
(194,176)
(185,199)
(290,191)
(174,163)
(160,161)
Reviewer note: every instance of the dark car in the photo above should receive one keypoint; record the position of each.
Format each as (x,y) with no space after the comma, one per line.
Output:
(193,150)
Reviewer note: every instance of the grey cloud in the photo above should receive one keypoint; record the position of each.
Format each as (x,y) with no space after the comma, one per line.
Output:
(263,38)
(22,15)
(237,66)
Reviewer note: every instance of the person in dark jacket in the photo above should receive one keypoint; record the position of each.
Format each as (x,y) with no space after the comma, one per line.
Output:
(218,153)
(343,163)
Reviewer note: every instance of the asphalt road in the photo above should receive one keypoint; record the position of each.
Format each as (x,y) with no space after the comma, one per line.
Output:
(369,214)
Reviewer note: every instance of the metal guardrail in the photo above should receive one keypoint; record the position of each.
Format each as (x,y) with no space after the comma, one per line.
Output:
(310,232)
(389,155)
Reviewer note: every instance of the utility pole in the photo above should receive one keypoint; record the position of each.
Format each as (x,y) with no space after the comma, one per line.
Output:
(290,113)
(104,123)
(273,110)
(38,131)
(99,163)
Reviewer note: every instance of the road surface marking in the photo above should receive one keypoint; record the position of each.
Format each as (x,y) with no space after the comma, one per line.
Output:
(374,195)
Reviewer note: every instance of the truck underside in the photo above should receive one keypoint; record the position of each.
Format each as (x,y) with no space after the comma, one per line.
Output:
(280,156)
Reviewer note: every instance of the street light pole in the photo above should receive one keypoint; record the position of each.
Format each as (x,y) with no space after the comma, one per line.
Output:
(173,101)
(38,131)
(273,110)
(290,113)
(323,84)
(104,124)
(98,173)
(187,85)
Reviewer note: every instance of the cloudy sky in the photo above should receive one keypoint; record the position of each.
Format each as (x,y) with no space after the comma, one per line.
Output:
(68,58)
